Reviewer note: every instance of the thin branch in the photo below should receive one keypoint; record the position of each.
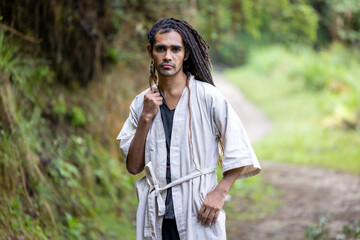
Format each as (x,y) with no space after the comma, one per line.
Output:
(20,34)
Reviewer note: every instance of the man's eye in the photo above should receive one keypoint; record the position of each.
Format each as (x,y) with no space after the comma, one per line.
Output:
(160,49)
(176,49)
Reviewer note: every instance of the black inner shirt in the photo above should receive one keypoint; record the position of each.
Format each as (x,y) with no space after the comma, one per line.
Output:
(167,117)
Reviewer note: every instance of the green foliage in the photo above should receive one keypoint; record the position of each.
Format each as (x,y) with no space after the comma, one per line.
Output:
(351,231)
(57,180)
(340,20)
(60,106)
(320,231)
(75,229)
(239,26)
(317,231)
(290,22)
(334,73)
(79,36)
(312,126)
(78,116)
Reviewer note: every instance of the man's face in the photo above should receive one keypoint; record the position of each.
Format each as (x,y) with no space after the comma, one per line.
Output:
(168,53)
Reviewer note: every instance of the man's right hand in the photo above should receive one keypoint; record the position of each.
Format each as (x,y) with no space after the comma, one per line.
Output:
(136,157)
(152,102)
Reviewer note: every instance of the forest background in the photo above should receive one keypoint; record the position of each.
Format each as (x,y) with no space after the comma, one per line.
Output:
(69,70)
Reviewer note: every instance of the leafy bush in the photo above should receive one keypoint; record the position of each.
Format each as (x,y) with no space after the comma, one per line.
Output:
(350,231)
(60,106)
(317,231)
(58,182)
(78,117)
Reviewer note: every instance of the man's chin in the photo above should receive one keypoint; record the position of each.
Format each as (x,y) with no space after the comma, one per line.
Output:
(167,73)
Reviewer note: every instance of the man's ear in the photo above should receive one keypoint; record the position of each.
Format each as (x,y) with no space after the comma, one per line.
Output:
(186,55)
(149,50)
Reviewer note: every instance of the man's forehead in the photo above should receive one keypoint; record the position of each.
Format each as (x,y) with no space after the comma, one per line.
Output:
(168,38)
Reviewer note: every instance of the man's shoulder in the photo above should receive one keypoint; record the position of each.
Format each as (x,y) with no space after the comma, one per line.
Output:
(207,90)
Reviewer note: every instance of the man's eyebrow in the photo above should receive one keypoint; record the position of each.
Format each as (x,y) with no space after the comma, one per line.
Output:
(162,45)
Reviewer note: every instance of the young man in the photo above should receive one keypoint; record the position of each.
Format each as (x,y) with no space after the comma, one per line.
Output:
(173,132)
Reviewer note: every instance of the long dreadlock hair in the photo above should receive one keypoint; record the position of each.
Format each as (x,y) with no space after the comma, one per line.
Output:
(198,61)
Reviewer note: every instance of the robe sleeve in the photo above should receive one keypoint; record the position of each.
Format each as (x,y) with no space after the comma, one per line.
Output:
(238,151)
(128,130)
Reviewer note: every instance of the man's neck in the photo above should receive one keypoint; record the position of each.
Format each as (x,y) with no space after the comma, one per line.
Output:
(172,86)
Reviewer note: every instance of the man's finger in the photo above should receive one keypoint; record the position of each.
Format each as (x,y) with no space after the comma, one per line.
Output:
(209,218)
(156,93)
(205,216)
(201,211)
(153,95)
(215,218)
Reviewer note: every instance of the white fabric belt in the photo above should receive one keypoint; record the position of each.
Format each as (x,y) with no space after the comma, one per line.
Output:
(154,196)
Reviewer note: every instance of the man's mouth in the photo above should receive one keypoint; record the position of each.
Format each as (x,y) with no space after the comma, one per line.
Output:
(166,65)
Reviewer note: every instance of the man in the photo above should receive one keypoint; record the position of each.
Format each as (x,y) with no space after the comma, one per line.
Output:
(173,132)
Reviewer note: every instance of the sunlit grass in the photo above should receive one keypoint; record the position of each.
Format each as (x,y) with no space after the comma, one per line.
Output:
(299,112)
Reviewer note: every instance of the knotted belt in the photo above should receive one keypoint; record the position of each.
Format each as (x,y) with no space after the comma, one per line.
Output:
(154,196)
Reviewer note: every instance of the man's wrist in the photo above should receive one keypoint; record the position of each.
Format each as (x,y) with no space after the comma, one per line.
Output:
(146,117)
(222,190)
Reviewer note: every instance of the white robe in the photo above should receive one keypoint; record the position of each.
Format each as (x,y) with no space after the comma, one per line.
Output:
(211,117)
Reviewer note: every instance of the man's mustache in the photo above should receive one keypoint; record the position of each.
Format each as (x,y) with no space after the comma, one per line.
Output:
(167,63)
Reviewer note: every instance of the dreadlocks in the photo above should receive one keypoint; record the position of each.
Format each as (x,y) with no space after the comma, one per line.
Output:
(198,62)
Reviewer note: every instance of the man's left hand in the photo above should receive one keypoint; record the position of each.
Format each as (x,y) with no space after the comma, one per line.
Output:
(211,207)
(214,200)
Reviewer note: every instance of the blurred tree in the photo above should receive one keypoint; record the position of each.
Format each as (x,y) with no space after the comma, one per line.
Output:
(77,35)
(339,21)
(73,33)
(237,25)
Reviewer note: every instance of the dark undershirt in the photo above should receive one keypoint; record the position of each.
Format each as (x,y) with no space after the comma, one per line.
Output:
(167,117)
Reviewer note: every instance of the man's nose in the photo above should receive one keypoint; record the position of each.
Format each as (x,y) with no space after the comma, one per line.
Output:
(167,56)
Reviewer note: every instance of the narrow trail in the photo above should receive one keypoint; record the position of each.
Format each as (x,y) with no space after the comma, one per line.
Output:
(257,125)
(306,193)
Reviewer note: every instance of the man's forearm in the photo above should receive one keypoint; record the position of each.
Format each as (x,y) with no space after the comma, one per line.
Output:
(136,156)
(228,180)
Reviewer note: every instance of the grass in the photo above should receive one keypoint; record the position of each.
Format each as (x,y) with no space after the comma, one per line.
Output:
(315,122)
(58,178)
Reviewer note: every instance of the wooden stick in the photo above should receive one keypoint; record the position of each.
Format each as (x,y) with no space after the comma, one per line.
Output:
(20,34)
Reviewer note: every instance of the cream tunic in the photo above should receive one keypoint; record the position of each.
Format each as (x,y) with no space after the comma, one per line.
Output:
(211,117)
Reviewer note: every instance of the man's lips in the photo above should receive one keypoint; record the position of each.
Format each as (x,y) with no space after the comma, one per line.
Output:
(166,65)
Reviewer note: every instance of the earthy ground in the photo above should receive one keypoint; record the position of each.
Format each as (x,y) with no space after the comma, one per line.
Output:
(305,193)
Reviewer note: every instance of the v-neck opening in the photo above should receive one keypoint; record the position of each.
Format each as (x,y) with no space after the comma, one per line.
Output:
(164,101)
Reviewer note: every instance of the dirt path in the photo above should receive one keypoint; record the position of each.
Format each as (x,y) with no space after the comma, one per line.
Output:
(306,193)
(257,125)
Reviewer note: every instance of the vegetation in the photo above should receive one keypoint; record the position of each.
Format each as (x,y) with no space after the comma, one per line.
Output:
(55,178)
(313,99)
(61,173)
(320,231)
